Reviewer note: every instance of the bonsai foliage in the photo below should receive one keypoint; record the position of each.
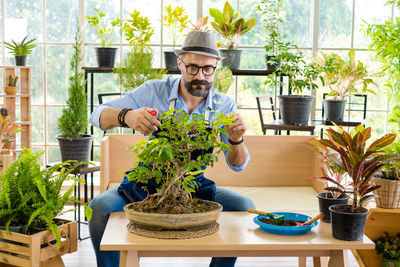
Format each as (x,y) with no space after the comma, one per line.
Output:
(223,79)
(74,118)
(176,20)
(23,48)
(105,32)
(388,246)
(7,128)
(228,24)
(31,195)
(344,77)
(167,158)
(137,66)
(201,24)
(357,159)
(137,31)
(12,80)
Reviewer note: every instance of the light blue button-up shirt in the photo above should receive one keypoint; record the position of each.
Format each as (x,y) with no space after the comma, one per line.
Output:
(159,93)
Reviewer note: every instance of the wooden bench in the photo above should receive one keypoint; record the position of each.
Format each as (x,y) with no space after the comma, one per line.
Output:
(277,178)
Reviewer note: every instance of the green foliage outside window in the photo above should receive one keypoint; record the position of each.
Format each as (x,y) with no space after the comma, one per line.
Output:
(73,121)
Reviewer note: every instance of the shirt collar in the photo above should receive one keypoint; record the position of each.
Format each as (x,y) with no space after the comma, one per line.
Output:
(175,91)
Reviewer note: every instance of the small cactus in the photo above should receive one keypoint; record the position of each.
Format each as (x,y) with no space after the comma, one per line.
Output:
(12,80)
(4,112)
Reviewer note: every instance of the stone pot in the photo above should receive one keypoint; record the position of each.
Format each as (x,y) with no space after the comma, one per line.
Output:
(159,221)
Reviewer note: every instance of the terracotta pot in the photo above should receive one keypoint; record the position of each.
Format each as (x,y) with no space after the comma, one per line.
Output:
(10,90)
(158,221)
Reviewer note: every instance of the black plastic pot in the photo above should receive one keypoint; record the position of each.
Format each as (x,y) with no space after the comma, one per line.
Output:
(75,148)
(295,109)
(105,56)
(271,63)
(231,58)
(20,60)
(325,200)
(334,109)
(170,60)
(347,225)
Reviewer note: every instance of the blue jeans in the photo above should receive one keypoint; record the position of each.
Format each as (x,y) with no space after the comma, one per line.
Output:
(111,201)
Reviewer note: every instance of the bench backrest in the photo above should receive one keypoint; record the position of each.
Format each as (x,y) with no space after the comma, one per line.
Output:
(275,161)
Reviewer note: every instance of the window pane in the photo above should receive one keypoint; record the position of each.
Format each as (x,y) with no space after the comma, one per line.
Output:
(377,121)
(296,25)
(53,113)
(111,8)
(35,60)
(58,73)
(150,9)
(22,18)
(37,123)
(53,154)
(255,36)
(368,11)
(334,29)
(61,17)
(252,59)
(248,88)
(252,121)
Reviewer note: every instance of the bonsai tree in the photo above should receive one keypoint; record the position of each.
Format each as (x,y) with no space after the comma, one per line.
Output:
(223,79)
(73,121)
(344,77)
(137,65)
(357,159)
(166,158)
(230,26)
(21,49)
(31,196)
(105,32)
(176,20)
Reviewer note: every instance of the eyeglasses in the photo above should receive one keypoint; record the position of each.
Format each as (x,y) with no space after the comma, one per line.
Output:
(193,69)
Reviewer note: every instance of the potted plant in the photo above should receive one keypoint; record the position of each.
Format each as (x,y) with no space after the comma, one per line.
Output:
(201,24)
(388,247)
(21,50)
(31,197)
(105,54)
(389,180)
(230,26)
(72,124)
(137,66)
(11,88)
(223,79)
(7,129)
(360,162)
(334,178)
(274,41)
(342,78)
(295,108)
(176,20)
(165,159)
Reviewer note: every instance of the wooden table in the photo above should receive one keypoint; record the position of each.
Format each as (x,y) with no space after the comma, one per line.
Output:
(238,237)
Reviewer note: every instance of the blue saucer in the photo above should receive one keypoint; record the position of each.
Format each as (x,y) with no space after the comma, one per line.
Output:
(286,230)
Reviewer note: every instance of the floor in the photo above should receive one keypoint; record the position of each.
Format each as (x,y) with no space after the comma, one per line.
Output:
(85,257)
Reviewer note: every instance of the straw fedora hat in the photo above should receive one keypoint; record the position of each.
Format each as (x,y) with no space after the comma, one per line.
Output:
(201,43)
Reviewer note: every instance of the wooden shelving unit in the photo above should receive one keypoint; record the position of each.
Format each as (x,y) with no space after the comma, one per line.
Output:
(24,105)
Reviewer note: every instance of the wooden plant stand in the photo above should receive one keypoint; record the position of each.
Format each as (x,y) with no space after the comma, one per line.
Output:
(37,249)
(378,222)
(5,162)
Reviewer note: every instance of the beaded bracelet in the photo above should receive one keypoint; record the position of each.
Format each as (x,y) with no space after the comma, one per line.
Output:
(121,117)
(235,143)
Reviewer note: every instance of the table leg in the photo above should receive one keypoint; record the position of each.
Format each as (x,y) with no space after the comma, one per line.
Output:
(320,261)
(302,261)
(337,259)
(129,258)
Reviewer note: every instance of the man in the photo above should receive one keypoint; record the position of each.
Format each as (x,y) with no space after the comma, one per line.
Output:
(192,93)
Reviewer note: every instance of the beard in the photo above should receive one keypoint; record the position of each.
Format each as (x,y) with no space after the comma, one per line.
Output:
(194,87)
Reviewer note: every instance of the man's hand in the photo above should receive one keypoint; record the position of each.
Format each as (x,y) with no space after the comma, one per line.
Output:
(239,127)
(142,120)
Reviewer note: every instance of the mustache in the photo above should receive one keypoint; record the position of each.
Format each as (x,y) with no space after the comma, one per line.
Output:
(199,82)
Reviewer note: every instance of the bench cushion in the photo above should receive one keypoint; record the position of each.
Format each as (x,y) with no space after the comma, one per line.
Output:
(269,199)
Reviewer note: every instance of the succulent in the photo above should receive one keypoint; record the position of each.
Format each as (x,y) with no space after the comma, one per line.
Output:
(388,246)
(23,48)
(4,112)
(12,80)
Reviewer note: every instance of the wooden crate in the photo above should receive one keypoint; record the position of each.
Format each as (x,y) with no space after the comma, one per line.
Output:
(34,250)
(5,162)
(378,221)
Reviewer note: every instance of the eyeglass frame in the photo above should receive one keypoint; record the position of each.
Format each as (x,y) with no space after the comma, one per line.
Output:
(198,68)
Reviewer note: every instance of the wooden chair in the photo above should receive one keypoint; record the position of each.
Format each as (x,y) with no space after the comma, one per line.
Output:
(277,125)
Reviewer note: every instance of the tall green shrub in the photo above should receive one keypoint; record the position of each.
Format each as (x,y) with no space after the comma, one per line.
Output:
(74,118)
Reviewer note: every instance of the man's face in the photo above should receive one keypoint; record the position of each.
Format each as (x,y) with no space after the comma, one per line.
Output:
(198,84)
